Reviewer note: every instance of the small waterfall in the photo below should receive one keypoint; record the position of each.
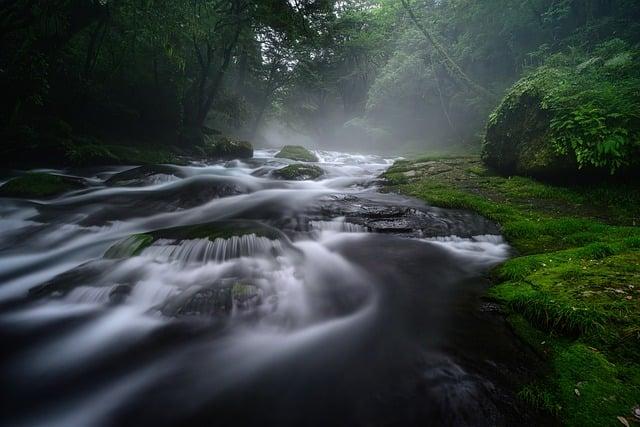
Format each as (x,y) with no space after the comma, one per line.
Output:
(201,251)
(338,225)
(90,294)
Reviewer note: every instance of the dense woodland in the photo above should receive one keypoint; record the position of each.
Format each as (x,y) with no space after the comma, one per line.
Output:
(81,78)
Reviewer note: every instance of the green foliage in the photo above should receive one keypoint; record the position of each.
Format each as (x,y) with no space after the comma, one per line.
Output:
(593,107)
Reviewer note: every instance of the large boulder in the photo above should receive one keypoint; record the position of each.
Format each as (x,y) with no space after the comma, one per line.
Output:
(297,152)
(517,140)
(226,148)
(299,172)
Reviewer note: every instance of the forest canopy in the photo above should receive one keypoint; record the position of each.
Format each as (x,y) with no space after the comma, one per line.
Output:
(82,78)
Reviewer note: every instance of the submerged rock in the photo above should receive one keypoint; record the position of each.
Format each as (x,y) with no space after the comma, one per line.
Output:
(220,299)
(131,246)
(299,172)
(297,152)
(137,176)
(40,185)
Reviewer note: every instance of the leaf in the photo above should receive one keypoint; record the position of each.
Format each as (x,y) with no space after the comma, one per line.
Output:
(623,421)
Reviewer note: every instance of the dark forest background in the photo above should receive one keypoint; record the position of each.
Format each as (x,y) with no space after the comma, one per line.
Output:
(83,79)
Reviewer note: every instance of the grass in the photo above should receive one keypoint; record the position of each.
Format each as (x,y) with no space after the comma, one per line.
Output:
(573,291)
(39,185)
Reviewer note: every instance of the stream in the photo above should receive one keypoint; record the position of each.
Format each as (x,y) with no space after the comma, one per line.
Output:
(218,294)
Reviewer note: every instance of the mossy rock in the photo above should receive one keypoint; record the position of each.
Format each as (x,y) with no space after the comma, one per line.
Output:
(135,175)
(217,300)
(131,246)
(297,152)
(299,172)
(517,140)
(226,148)
(135,244)
(40,185)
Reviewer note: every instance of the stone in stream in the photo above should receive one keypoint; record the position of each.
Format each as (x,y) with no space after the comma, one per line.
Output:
(217,147)
(39,185)
(138,175)
(243,235)
(405,220)
(299,172)
(297,152)
(221,298)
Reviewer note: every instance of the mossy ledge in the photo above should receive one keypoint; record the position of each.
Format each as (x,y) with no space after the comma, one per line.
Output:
(40,185)
(298,153)
(135,244)
(573,293)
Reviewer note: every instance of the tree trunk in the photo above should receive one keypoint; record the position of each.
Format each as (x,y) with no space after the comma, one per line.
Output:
(448,60)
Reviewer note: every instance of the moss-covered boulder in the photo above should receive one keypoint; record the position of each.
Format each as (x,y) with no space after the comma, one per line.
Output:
(299,172)
(135,244)
(571,121)
(297,152)
(517,140)
(226,148)
(40,185)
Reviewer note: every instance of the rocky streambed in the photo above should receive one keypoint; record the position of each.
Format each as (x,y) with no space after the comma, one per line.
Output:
(234,293)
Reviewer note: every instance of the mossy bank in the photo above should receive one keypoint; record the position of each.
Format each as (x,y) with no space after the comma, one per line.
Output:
(572,292)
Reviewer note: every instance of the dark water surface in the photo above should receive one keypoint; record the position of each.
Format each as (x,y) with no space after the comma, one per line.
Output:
(335,304)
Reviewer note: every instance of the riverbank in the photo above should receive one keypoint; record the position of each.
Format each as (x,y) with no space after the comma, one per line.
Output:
(572,290)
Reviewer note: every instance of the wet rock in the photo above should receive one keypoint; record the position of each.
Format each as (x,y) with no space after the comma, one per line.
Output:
(220,299)
(490,307)
(426,222)
(65,282)
(138,176)
(226,148)
(297,152)
(119,294)
(38,185)
(129,246)
(299,172)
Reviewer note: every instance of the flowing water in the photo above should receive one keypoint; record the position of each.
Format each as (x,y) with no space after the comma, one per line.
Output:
(216,294)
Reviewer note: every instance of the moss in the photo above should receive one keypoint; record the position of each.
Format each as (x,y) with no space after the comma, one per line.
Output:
(574,288)
(297,152)
(130,246)
(223,147)
(300,172)
(39,185)
(135,244)
(218,230)
(93,153)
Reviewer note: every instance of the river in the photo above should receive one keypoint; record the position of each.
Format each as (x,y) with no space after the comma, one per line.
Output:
(333,304)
